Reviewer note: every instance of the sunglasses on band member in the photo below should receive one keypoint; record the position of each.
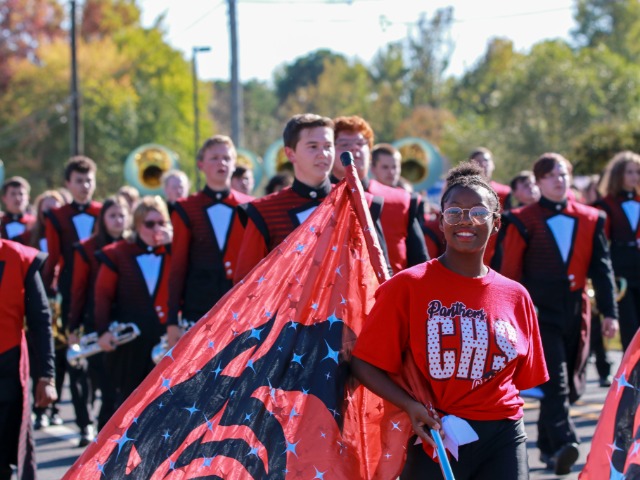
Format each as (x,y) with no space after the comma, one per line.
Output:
(152,223)
(478,215)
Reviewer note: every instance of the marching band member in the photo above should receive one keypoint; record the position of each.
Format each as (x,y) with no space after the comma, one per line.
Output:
(112,225)
(133,285)
(399,217)
(308,144)
(16,220)
(175,185)
(551,247)
(621,202)
(206,239)
(22,294)
(64,227)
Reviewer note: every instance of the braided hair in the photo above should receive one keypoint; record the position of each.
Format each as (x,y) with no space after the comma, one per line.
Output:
(468,175)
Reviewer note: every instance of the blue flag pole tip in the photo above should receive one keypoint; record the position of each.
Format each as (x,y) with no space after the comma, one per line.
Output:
(445,466)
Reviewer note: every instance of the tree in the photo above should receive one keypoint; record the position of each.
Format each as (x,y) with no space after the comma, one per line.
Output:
(135,89)
(25,25)
(303,72)
(342,88)
(614,23)
(389,95)
(429,51)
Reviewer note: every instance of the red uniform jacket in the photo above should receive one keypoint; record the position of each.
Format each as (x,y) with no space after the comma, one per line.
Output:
(207,234)
(13,227)
(399,218)
(433,236)
(269,220)
(66,226)
(551,248)
(83,284)
(623,230)
(19,280)
(133,279)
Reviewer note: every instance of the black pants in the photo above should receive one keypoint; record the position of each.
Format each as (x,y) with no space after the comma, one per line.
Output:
(629,314)
(555,427)
(603,364)
(79,385)
(10,418)
(500,453)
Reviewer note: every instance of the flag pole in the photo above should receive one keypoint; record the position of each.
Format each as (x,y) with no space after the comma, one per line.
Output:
(358,201)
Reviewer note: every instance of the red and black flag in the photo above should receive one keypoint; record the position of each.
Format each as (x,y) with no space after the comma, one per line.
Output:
(260,387)
(615,448)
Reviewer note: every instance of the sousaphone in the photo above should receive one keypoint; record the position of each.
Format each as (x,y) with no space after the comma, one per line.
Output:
(145,166)
(422,163)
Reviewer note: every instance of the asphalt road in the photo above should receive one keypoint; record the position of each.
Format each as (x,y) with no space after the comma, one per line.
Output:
(56,446)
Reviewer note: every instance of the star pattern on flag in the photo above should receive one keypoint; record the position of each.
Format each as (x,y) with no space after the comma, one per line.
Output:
(262,371)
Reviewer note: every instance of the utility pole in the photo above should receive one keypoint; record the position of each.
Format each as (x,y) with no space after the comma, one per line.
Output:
(75,97)
(237,120)
(196,110)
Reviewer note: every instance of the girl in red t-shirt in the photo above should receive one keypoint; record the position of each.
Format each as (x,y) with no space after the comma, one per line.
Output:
(470,335)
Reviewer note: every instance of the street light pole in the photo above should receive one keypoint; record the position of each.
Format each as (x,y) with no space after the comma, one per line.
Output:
(196,113)
(75,107)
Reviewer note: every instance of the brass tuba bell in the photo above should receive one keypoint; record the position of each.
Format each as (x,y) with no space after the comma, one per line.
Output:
(145,166)
(422,164)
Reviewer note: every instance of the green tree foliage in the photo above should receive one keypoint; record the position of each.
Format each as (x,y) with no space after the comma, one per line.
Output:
(262,125)
(304,72)
(135,89)
(25,25)
(429,51)
(343,88)
(613,23)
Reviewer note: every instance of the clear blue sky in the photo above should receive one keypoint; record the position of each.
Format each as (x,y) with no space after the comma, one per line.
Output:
(273,32)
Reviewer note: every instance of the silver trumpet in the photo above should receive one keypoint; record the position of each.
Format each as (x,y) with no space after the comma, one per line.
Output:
(160,350)
(89,346)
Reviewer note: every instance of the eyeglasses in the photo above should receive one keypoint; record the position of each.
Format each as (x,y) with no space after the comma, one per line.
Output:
(478,215)
(152,223)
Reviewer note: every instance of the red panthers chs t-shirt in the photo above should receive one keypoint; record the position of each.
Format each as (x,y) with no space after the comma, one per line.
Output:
(475,340)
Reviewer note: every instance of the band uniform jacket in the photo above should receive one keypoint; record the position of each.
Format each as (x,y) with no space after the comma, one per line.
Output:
(623,230)
(64,227)
(13,227)
(269,220)
(83,284)
(22,294)
(207,234)
(399,219)
(552,248)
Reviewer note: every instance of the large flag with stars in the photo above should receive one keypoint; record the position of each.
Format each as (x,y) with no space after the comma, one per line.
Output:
(615,448)
(260,387)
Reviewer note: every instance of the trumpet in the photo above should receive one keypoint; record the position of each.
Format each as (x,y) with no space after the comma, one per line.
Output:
(89,346)
(160,350)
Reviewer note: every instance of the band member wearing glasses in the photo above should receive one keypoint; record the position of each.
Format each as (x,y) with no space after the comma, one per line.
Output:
(133,281)
(469,335)
(207,237)
(551,247)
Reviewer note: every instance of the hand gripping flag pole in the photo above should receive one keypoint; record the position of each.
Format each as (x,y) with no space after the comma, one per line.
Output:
(260,387)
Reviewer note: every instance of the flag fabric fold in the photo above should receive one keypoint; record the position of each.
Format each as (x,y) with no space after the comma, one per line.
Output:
(260,387)
(615,447)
